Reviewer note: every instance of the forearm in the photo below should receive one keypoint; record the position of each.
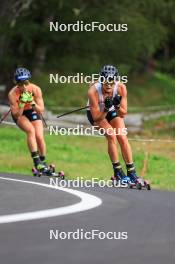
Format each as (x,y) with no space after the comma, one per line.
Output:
(122,91)
(122,111)
(17,112)
(123,107)
(38,108)
(16,108)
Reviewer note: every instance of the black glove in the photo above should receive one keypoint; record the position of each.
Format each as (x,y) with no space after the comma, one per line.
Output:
(116,100)
(108,103)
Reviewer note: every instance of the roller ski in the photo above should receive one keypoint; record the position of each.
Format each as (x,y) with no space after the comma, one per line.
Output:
(137,182)
(131,181)
(47,170)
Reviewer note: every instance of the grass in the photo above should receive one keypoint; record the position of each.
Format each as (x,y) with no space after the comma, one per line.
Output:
(162,126)
(86,157)
(151,90)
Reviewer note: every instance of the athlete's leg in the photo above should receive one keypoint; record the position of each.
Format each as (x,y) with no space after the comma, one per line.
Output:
(27,127)
(39,134)
(112,147)
(111,139)
(118,123)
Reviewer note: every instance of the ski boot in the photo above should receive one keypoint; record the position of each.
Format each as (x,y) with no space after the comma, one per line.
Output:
(41,169)
(120,179)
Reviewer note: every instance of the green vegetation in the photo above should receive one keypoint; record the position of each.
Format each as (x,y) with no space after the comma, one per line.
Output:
(145,90)
(152,90)
(26,39)
(162,126)
(86,157)
(62,95)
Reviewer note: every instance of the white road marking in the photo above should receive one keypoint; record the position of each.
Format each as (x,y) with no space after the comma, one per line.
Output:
(87,202)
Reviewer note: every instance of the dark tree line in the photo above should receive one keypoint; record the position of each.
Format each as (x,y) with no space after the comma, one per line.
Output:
(25,39)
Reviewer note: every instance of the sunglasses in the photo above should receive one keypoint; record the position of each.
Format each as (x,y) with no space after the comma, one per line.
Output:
(109,82)
(22,83)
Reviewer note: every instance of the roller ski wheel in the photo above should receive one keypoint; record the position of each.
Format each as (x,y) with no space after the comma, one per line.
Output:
(138,182)
(147,185)
(52,168)
(61,175)
(53,172)
(144,184)
(36,173)
(138,186)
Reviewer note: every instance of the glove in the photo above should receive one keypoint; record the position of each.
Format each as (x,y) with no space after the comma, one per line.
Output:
(21,105)
(108,103)
(116,100)
(30,99)
(26,97)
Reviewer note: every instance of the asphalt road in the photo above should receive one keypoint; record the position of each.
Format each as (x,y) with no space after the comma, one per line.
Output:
(148,217)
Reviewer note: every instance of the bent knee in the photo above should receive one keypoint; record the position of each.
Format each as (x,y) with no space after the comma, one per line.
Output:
(123,140)
(30,131)
(111,137)
(39,137)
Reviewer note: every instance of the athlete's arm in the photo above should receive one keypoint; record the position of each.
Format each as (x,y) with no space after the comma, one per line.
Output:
(15,109)
(38,101)
(94,106)
(123,104)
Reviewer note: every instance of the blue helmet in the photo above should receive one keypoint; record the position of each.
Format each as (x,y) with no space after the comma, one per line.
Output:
(22,74)
(109,72)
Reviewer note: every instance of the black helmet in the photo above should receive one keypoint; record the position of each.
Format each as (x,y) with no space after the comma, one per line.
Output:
(22,74)
(109,72)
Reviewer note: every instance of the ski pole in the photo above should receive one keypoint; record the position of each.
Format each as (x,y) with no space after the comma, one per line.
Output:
(44,121)
(5,116)
(73,111)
